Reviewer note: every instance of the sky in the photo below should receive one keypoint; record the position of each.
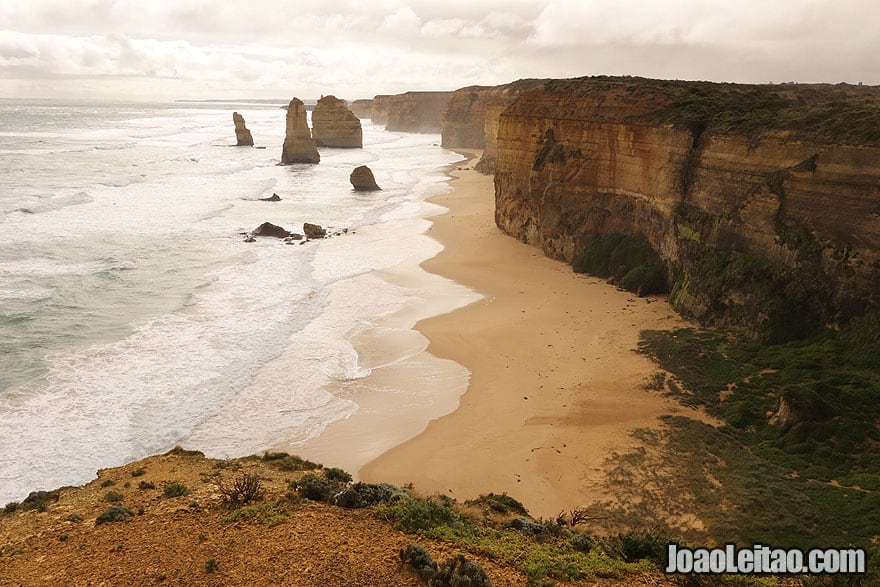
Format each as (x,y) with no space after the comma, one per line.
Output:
(227,49)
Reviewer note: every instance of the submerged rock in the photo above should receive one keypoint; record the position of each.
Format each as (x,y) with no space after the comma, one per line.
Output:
(299,146)
(363,180)
(269,229)
(242,134)
(314,231)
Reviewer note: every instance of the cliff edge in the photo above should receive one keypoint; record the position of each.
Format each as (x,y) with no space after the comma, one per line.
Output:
(763,202)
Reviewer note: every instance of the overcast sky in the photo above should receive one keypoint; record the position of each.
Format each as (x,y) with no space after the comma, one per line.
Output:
(167,49)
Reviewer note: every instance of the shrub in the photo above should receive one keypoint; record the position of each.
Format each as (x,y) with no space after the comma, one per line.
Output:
(460,572)
(626,259)
(138,473)
(114,513)
(582,542)
(502,504)
(211,565)
(64,537)
(414,515)
(635,546)
(146,485)
(108,483)
(113,496)
(175,490)
(286,462)
(11,507)
(244,489)
(420,560)
(362,495)
(270,514)
(337,474)
(74,518)
(39,500)
(315,488)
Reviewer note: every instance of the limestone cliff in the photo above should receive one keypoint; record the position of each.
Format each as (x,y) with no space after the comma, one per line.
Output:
(763,201)
(379,109)
(243,136)
(299,146)
(334,125)
(415,111)
(471,118)
(361,108)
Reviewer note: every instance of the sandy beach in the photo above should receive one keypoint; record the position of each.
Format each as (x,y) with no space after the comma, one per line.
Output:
(555,385)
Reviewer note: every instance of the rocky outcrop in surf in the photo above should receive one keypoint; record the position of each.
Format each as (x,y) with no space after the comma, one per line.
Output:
(242,134)
(334,125)
(362,179)
(299,146)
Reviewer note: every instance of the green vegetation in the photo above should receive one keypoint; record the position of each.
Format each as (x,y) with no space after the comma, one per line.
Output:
(337,474)
(108,483)
(175,490)
(113,496)
(287,462)
(269,514)
(502,504)
(211,565)
(114,513)
(627,260)
(800,430)
(244,489)
(138,473)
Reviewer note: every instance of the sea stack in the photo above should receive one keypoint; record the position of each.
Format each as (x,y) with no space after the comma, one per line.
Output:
(334,125)
(242,134)
(362,179)
(299,146)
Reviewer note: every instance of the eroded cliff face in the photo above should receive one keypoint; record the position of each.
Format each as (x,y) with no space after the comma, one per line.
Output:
(334,125)
(361,108)
(415,111)
(379,108)
(752,224)
(470,119)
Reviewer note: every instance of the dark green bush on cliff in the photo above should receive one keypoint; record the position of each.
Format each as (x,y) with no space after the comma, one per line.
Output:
(627,259)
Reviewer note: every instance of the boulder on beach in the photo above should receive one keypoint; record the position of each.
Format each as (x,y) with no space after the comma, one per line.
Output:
(273,198)
(314,230)
(269,229)
(363,180)
(334,125)
(242,134)
(299,146)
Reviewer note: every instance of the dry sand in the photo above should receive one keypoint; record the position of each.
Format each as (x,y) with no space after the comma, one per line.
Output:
(555,384)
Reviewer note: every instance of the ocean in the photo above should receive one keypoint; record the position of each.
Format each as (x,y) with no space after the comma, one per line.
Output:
(134,317)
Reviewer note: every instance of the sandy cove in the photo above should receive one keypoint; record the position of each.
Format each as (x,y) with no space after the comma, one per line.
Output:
(555,384)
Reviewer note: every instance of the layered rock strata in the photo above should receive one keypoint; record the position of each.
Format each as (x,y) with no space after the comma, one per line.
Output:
(764,201)
(415,111)
(379,108)
(362,108)
(299,146)
(470,119)
(334,125)
(243,136)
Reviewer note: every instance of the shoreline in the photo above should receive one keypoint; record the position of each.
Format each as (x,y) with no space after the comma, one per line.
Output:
(555,385)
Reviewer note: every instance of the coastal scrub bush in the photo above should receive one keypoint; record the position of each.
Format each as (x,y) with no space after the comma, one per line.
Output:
(420,560)
(417,515)
(11,507)
(114,513)
(146,485)
(113,496)
(501,504)
(287,462)
(175,490)
(138,473)
(337,474)
(635,546)
(211,565)
(269,514)
(74,518)
(626,259)
(39,500)
(460,572)
(108,483)
(315,488)
(244,489)
(362,495)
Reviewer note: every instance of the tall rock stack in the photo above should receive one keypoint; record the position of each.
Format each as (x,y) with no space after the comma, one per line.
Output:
(334,125)
(242,134)
(299,146)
